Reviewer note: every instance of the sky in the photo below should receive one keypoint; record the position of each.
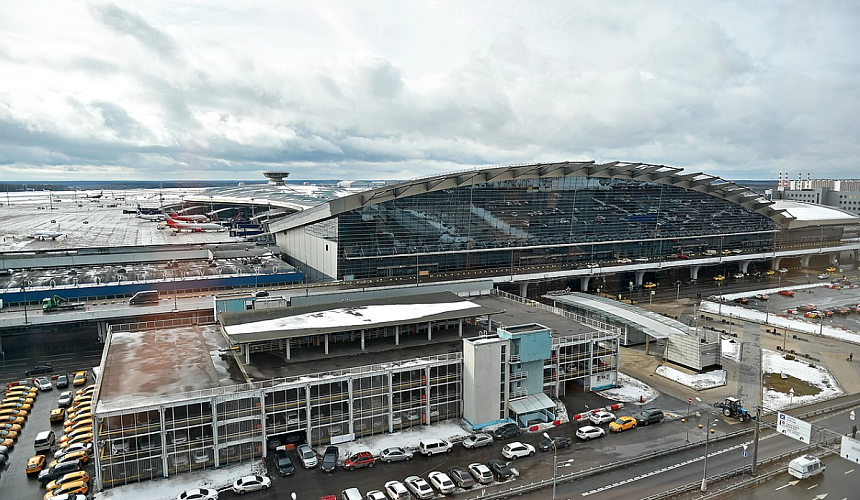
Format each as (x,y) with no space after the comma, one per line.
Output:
(205,89)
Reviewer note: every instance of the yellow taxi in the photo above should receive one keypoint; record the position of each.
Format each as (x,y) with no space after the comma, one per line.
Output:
(85,391)
(75,487)
(7,434)
(10,427)
(86,419)
(15,405)
(14,412)
(726,252)
(650,285)
(35,464)
(719,277)
(831,269)
(622,424)
(12,419)
(71,477)
(69,457)
(75,432)
(8,442)
(770,272)
(81,438)
(80,378)
(23,388)
(57,415)
(19,399)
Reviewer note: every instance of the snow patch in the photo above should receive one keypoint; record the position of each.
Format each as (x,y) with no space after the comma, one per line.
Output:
(697,381)
(773,362)
(630,390)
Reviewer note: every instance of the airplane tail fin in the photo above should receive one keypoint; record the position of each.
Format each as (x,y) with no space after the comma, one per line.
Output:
(170,221)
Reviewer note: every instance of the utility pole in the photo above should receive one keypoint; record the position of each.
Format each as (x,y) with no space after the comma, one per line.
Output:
(754,468)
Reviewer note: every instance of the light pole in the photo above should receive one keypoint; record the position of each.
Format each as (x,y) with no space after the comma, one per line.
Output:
(705,472)
(24,291)
(678,294)
(554,463)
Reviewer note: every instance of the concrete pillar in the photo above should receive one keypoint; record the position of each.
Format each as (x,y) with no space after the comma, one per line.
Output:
(396,334)
(429,330)
(524,290)
(460,326)
(362,340)
(583,283)
(247,354)
(833,258)
(694,272)
(774,263)
(288,349)
(326,343)
(743,265)
(804,260)
(640,276)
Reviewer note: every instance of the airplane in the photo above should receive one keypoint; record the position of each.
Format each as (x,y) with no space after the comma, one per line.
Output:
(193,226)
(189,218)
(96,196)
(150,217)
(47,235)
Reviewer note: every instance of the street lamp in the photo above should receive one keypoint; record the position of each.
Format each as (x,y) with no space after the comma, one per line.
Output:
(705,472)
(554,463)
(24,291)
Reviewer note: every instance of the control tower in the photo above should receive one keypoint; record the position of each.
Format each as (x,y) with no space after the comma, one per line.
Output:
(276,178)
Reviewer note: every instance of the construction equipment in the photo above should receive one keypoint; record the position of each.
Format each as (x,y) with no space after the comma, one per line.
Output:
(732,407)
(57,303)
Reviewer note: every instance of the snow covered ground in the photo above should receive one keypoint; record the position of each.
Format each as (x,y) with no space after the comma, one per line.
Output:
(697,381)
(630,390)
(730,349)
(773,362)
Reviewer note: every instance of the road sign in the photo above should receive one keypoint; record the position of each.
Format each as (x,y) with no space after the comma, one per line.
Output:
(851,415)
(745,451)
(850,449)
(794,428)
(690,400)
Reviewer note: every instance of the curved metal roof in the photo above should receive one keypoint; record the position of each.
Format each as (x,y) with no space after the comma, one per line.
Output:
(672,176)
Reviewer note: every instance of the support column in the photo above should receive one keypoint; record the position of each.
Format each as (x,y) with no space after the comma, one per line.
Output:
(583,283)
(288,349)
(326,343)
(743,265)
(524,290)
(694,272)
(640,277)
(396,334)
(460,327)
(774,263)
(833,258)
(429,330)
(804,260)
(247,354)
(362,340)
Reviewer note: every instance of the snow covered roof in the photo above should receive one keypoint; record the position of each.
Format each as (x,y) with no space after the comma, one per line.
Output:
(291,322)
(801,214)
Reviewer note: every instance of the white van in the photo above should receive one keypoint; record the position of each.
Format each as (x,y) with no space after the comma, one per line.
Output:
(45,441)
(350,494)
(429,447)
(805,466)
(709,253)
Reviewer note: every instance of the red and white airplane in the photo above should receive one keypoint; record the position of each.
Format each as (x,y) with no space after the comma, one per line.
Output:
(193,226)
(95,196)
(189,218)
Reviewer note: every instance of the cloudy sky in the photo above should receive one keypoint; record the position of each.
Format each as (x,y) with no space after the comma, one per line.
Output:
(392,90)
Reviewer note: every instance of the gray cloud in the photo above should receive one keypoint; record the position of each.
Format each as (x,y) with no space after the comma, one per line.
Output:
(127,23)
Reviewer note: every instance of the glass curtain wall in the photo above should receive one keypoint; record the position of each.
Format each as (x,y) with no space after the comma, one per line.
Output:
(564,221)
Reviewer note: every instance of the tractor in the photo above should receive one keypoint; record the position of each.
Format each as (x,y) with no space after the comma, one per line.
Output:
(732,407)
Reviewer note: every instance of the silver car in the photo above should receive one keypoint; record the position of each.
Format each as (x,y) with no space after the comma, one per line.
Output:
(395,454)
(307,456)
(601,417)
(477,440)
(419,487)
(441,482)
(481,473)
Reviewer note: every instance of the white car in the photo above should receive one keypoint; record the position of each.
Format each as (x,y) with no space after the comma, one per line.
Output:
(396,491)
(822,276)
(375,495)
(87,447)
(589,432)
(198,494)
(419,487)
(441,482)
(782,270)
(43,384)
(641,259)
(624,260)
(251,483)
(738,275)
(515,450)
(307,456)
(481,473)
(477,440)
(66,399)
(601,417)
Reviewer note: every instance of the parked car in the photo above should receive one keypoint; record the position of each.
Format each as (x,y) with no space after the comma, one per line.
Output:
(395,454)
(418,487)
(441,482)
(358,460)
(516,449)
(43,384)
(87,447)
(506,431)
(375,495)
(762,296)
(66,399)
(396,491)
(68,478)
(588,432)
(285,464)
(80,378)
(198,494)
(433,446)
(307,456)
(649,416)
(601,417)
(48,475)
(622,424)
(62,381)
(39,369)
(251,483)
(481,473)
(786,293)
(477,440)
(558,441)
(741,300)
(500,469)
(461,477)
(76,487)
(329,461)
(34,464)
(823,276)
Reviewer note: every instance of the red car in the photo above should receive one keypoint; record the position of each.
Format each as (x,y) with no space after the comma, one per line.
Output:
(358,460)
(787,293)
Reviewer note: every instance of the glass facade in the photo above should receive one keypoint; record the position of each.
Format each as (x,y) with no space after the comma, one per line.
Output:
(560,221)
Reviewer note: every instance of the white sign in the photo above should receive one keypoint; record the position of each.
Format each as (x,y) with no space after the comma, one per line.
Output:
(850,449)
(851,415)
(794,428)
